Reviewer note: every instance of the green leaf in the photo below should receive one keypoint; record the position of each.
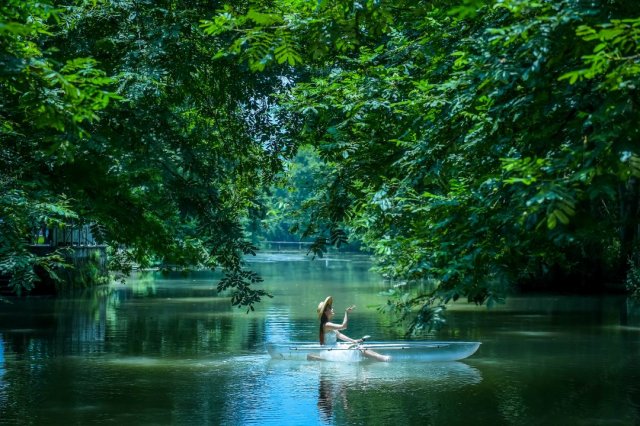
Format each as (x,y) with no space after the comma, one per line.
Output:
(264,19)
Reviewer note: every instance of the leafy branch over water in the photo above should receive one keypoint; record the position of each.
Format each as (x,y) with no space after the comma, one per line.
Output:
(489,146)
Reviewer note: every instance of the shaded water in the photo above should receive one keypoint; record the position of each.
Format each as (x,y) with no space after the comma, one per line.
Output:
(169,350)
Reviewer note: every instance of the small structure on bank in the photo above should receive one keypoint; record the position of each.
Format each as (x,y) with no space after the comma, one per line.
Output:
(87,258)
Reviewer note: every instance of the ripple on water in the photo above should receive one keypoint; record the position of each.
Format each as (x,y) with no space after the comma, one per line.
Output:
(276,390)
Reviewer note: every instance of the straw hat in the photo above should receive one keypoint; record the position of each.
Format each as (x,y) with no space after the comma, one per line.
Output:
(322,305)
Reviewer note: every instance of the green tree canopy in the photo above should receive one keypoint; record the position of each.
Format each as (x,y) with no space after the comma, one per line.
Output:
(472,144)
(47,105)
(163,174)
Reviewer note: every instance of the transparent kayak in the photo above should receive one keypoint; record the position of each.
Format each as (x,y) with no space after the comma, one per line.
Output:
(426,351)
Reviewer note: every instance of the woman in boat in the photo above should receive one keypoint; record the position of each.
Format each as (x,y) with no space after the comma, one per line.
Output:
(329,334)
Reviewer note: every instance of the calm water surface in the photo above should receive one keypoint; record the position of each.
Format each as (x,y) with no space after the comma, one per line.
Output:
(170,350)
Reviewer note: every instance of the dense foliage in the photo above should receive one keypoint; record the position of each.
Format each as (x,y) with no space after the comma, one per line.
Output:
(165,172)
(470,144)
(46,106)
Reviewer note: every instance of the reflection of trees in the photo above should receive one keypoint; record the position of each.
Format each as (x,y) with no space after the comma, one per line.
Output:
(37,330)
(176,316)
(171,328)
(142,318)
(1,361)
(562,359)
(150,320)
(630,314)
(377,393)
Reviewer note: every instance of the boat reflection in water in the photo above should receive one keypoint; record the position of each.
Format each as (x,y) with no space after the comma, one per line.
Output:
(339,391)
(439,374)
(338,385)
(343,393)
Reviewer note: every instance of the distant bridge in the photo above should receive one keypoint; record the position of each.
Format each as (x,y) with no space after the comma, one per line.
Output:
(285,245)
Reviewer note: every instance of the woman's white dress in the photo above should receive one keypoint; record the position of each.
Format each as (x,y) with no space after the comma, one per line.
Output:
(345,352)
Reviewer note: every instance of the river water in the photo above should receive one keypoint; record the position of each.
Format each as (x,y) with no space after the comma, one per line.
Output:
(170,350)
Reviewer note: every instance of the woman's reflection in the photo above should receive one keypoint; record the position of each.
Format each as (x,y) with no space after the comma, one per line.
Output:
(328,391)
